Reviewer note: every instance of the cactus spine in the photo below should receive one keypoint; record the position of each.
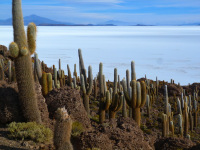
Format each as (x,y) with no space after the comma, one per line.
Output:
(23,64)
(62,132)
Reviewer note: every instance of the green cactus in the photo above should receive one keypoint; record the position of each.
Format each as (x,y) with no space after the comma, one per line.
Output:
(69,76)
(117,101)
(95,88)
(133,74)
(180,124)
(138,98)
(148,106)
(62,131)
(124,110)
(49,82)
(9,71)
(75,73)
(37,67)
(104,99)
(23,64)
(186,120)
(164,124)
(172,128)
(55,76)
(44,84)
(87,89)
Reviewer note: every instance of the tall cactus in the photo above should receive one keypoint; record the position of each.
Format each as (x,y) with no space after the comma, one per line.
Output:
(62,132)
(37,68)
(117,101)
(180,124)
(104,99)
(69,76)
(20,50)
(87,89)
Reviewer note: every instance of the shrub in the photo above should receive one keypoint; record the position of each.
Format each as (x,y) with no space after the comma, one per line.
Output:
(77,128)
(30,131)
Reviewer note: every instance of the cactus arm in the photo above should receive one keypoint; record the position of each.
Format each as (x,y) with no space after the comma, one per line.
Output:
(31,37)
(14,50)
(133,74)
(101,80)
(120,103)
(134,93)
(107,102)
(115,82)
(126,93)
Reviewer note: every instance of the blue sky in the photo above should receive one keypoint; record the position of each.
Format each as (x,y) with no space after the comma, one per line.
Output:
(99,11)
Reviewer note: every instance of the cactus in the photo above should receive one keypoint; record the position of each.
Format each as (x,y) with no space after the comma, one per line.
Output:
(166,110)
(148,106)
(37,68)
(180,124)
(87,90)
(186,120)
(164,125)
(105,100)
(172,127)
(82,69)
(23,63)
(55,76)
(74,83)
(44,84)
(69,76)
(117,101)
(133,74)
(75,73)
(138,98)
(124,112)
(9,71)
(95,88)
(49,82)
(104,106)
(179,106)
(62,131)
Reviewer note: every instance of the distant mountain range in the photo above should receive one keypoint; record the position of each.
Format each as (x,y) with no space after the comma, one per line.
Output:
(41,21)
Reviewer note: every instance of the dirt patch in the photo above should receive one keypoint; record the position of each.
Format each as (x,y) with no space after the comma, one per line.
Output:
(125,134)
(70,98)
(173,143)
